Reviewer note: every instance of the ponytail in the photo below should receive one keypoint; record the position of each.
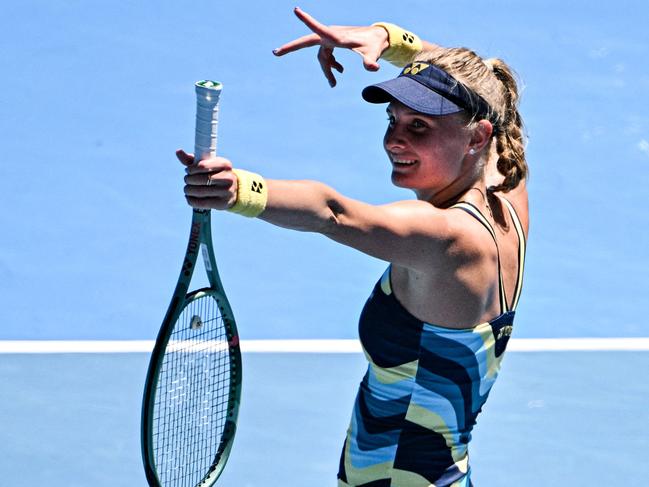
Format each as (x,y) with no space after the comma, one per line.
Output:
(510,139)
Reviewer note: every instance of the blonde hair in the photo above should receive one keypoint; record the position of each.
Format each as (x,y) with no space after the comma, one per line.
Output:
(494,81)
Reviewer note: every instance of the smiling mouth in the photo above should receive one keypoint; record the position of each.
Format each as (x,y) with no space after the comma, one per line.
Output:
(404,162)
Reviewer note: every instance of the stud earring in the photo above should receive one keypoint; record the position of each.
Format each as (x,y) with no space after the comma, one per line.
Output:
(472,151)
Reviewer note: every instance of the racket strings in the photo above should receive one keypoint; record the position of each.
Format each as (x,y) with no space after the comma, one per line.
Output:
(192,395)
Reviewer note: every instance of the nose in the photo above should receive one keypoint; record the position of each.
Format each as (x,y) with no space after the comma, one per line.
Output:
(394,140)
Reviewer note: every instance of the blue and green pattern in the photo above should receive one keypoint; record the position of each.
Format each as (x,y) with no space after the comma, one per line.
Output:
(423,390)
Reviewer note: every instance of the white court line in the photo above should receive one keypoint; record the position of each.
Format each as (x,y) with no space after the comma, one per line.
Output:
(315,346)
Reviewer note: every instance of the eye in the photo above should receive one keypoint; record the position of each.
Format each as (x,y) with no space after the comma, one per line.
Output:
(418,124)
(391,120)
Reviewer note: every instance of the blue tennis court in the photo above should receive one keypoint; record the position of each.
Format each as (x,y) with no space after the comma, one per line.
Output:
(96,98)
(73,420)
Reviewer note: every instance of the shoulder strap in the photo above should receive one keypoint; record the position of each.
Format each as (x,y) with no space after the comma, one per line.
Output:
(477,214)
(521,251)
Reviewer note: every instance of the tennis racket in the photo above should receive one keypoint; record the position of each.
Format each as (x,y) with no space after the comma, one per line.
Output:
(193,384)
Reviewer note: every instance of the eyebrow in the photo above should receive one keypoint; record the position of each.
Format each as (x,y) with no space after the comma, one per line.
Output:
(411,112)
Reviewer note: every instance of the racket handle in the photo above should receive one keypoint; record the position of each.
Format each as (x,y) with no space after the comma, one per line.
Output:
(207,113)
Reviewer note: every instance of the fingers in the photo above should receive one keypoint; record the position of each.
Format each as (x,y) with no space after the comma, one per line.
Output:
(326,37)
(209,183)
(324,59)
(209,165)
(304,41)
(211,179)
(325,55)
(327,62)
(370,64)
(186,159)
(321,35)
(376,42)
(368,42)
(211,190)
(320,29)
(336,65)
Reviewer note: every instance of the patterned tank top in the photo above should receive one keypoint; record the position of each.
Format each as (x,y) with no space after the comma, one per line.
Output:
(424,387)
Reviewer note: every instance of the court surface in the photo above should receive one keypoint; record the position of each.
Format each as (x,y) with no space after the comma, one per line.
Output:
(95,98)
(554,418)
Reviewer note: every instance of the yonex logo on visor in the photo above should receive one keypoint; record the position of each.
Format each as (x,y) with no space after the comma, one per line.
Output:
(415,68)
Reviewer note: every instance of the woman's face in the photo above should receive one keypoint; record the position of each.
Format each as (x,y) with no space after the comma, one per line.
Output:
(428,153)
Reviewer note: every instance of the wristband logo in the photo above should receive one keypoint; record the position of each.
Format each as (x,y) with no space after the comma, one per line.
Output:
(256,187)
(408,37)
(416,68)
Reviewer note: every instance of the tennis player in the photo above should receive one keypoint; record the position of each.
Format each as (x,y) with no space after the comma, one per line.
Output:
(436,325)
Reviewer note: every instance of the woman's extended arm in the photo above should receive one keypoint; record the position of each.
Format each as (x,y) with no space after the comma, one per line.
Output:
(413,234)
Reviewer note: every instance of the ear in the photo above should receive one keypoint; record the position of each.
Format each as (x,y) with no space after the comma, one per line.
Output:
(481,135)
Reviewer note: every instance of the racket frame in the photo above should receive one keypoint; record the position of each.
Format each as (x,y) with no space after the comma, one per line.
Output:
(200,241)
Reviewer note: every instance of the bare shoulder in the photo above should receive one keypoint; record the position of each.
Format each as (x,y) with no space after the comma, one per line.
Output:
(468,236)
(455,290)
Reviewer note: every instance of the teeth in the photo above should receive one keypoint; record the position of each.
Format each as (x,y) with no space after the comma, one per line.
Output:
(399,161)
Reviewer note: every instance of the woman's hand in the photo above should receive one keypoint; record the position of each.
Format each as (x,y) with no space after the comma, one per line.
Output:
(369,42)
(209,183)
